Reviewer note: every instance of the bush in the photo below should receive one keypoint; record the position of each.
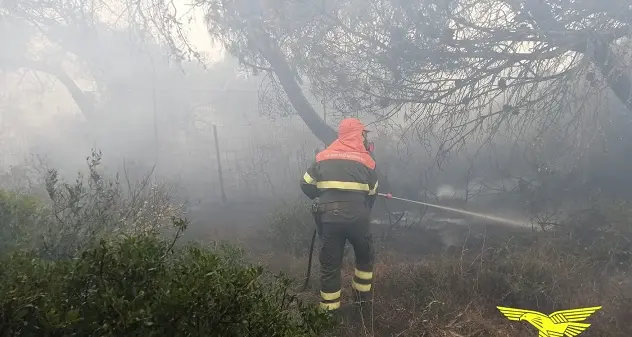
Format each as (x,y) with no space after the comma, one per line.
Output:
(76,215)
(290,227)
(19,215)
(140,285)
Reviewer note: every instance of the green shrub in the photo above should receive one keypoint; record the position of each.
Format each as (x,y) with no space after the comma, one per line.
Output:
(19,216)
(77,215)
(141,286)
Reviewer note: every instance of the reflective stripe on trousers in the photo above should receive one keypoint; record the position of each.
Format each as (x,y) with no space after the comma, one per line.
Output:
(362,280)
(330,301)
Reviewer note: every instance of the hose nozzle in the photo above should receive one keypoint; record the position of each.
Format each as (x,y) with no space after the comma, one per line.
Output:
(386,195)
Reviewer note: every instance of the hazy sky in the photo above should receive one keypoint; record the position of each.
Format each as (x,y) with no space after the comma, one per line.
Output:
(53,97)
(43,101)
(198,34)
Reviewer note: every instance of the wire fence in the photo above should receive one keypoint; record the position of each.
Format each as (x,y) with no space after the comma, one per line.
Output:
(247,163)
(220,162)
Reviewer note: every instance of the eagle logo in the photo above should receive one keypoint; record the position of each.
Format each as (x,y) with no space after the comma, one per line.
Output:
(558,324)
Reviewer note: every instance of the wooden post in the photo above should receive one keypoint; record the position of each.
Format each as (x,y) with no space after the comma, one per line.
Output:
(219,164)
(324,110)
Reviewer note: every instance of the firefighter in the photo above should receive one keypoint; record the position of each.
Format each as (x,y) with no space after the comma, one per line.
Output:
(342,182)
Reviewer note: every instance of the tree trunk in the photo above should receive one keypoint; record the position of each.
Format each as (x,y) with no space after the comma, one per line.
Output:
(81,99)
(616,75)
(286,77)
(300,103)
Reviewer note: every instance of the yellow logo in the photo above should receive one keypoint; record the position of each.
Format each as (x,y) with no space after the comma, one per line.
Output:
(558,324)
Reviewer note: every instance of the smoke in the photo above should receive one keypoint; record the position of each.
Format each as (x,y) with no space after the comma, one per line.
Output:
(446,191)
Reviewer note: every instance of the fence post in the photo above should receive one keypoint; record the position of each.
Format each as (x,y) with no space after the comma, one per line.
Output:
(219,164)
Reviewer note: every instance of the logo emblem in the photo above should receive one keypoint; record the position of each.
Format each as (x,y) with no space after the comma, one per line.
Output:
(565,323)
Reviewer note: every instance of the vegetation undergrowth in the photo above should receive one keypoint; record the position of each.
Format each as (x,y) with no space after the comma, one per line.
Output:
(97,259)
(60,219)
(140,285)
(582,262)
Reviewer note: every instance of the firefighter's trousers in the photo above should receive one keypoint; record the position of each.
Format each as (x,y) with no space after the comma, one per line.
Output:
(335,229)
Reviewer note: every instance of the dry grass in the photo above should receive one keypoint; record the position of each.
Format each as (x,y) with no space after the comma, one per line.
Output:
(441,295)
(457,296)
(422,289)
(455,293)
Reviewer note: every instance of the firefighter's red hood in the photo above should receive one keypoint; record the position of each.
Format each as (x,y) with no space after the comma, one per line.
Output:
(349,145)
(349,137)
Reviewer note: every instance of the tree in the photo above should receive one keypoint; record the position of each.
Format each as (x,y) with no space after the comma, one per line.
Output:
(469,67)
(50,24)
(459,68)
(134,91)
(247,30)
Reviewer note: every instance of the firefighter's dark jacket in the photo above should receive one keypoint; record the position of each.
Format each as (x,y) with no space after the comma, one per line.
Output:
(344,171)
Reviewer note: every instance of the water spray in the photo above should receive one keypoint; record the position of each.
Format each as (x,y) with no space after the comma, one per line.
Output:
(456,210)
